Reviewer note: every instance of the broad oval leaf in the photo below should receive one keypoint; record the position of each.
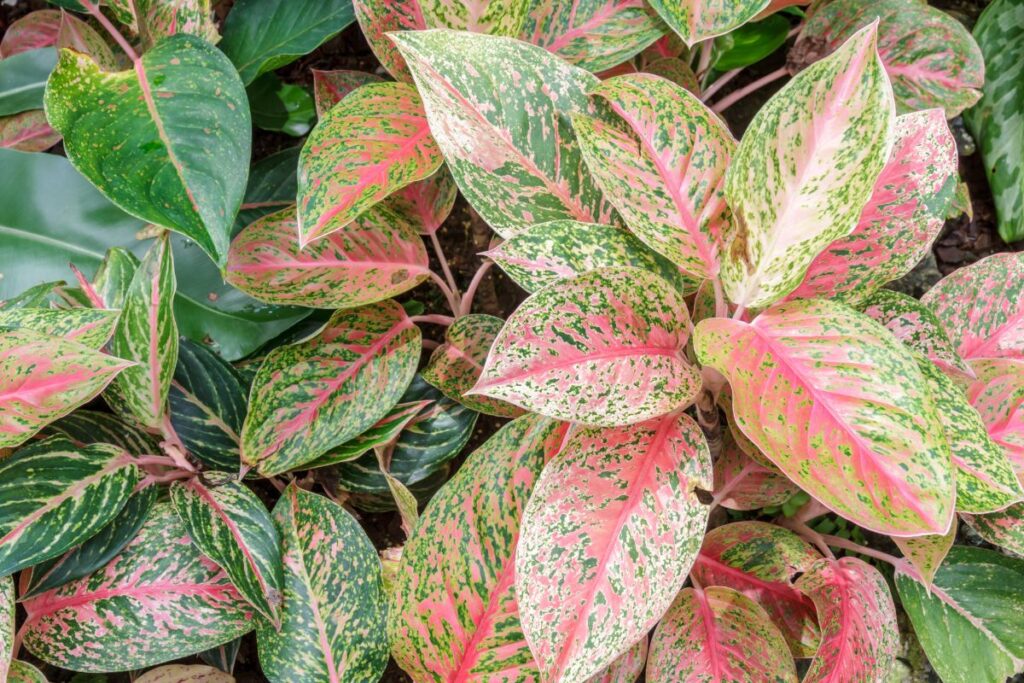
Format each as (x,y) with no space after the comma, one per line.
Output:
(926,553)
(159,599)
(91,327)
(742,483)
(23,672)
(333,615)
(839,405)
(998,396)
(23,80)
(900,221)
(516,170)
(697,20)
(183,673)
(230,525)
(791,200)
(426,203)
(34,30)
(859,634)
(372,143)
(134,135)
(311,396)
(331,87)
(608,537)
(718,634)
(86,427)
(27,132)
(454,614)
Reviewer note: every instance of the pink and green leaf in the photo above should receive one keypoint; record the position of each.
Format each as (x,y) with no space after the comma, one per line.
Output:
(746,484)
(90,327)
(331,87)
(385,431)
(926,553)
(23,672)
(1004,528)
(377,18)
(697,20)
(7,628)
(627,668)
(998,396)
(27,132)
(493,17)
(79,36)
(426,203)
(185,673)
(158,19)
(32,31)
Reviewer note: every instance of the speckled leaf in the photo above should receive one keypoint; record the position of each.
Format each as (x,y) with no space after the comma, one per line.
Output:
(493,17)
(859,634)
(184,673)
(608,537)
(697,20)
(114,276)
(27,131)
(900,221)
(929,55)
(43,378)
(664,169)
(603,348)
(377,18)
(792,199)
(158,19)
(385,431)
(839,405)
(90,327)
(229,524)
(159,599)
(762,561)
(747,484)
(982,307)
(81,37)
(373,258)
(331,87)
(138,136)
(969,622)
(426,203)
(147,334)
(627,668)
(1004,528)
(998,396)
(675,70)
(311,396)
(34,30)
(455,365)
(926,553)
(23,672)
(500,110)
(333,618)
(592,34)
(56,496)
(7,628)
(90,426)
(23,79)
(549,252)
(718,634)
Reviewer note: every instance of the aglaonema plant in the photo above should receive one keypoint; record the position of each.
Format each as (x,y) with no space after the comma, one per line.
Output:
(708,328)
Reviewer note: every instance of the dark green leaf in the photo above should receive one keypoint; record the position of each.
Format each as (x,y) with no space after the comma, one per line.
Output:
(114,276)
(23,79)
(89,426)
(272,186)
(750,43)
(281,107)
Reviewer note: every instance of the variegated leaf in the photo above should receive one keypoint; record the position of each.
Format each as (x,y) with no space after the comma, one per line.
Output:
(230,525)
(1004,528)
(762,561)
(455,366)
(627,668)
(384,431)
(378,18)
(675,70)
(56,496)
(79,36)
(91,327)
(34,30)
(426,203)
(331,87)
(608,537)
(697,20)
(86,427)
(405,500)
(27,131)
(603,348)
(43,378)
(493,17)
(148,335)
(313,395)
(158,19)
(504,126)
(840,406)
(926,553)
(333,616)
(718,634)
(454,614)
(549,252)
(982,307)
(900,221)
(859,634)
(930,56)
(663,169)
(369,145)
(159,599)
(592,34)
(184,673)
(747,484)
(998,396)
(23,672)
(373,258)
(7,628)
(114,276)
(805,168)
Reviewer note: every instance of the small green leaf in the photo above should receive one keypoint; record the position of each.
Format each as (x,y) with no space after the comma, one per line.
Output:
(281,107)
(23,79)
(88,326)
(697,20)
(750,43)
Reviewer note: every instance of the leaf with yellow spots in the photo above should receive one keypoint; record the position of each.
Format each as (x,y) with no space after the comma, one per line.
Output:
(926,553)
(697,20)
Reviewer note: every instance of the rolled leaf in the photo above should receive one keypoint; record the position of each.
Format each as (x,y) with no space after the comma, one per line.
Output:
(23,80)
(926,553)
(697,20)
(34,30)
(608,537)
(998,396)
(27,131)
(88,326)
(114,276)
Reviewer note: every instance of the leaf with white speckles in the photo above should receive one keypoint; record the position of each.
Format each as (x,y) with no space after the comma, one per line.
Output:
(158,19)
(34,30)
(840,406)
(331,87)
(377,18)
(926,553)
(718,634)
(627,668)
(136,137)
(79,36)
(493,17)
(184,673)
(27,131)
(603,348)
(383,432)
(747,484)
(608,537)
(900,221)
(500,111)
(333,616)
(92,426)
(998,396)
(662,165)
(311,396)
(697,20)
(91,327)
(804,170)
(859,634)
(6,624)
(159,599)
(982,307)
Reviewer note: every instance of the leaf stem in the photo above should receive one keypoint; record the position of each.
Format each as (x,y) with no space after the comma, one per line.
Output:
(722,81)
(809,535)
(433,319)
(109,27)
(474,284)
(449,295)
(729,487)
(837,542)
(173,447)
(439,252)
(704,60)
(90,292)
(738,313)
(738,94)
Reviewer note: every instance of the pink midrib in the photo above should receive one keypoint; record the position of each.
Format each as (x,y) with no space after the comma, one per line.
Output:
(29,133)
(992,342)
(607,12)
(153,318)
(844,623)
(332,263)
(156,589)
(710,635)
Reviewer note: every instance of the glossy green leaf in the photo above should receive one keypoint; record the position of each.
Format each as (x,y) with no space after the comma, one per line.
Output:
(697,20)
(385,431)
(87,326)
(27,132)
(330,87)
(750,43)
(34,30)
(281,107)
(90,426)
(333,615)
(77,35)
(23,79)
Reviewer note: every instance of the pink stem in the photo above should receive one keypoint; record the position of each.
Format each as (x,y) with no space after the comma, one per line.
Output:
(439,252)
(728,488)
(738,313)
(173,447)
(433,319)
(90,293)
(478,277)
(737,95)
(111,29)
(430,344)
(449,295)
(850,546)
(156,460)
(164,478)
(721,307)
(704,61)
(810,535)
(719,84)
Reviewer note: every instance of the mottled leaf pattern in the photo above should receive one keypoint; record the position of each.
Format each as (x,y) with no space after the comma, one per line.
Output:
(627,668)
(6,624)
(1004,528)
(159,19)
(34,30)
(183,673)
(23,672)
(926,553)
(493,17)
(114,276)
(383,432)
(81,37)
(607,539)
(331,87)
(88,326)
(745,484)
(998,396)
(377,18)
(86,427)
(697,20)
(425,203)
(27,131)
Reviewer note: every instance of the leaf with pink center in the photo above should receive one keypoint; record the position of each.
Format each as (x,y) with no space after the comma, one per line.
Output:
(745,484)
(697,20)
(804,170)
(718,634)
(308,397)
(859,634)
(34,30)
(27,132)
(627,668)
(160,599)
(493,17)
(840,406)
(998,396)
(762,561)
(500,110)
(43,378)
(331,87)
(900,221)
(79,36)
(603,348)
(926,553)
(982,307)
(1004,528)
(662,164)
(91,327)
(426,203)
(608,537)
(454,615)
(377,18)
(372,143)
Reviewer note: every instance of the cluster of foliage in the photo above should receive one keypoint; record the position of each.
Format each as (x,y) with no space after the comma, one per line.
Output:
(707,327)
